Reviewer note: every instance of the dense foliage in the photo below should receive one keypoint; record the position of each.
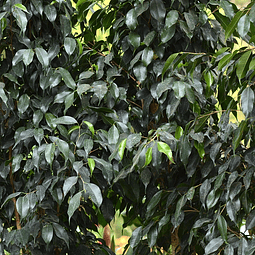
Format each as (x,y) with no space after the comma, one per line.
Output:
(138,122)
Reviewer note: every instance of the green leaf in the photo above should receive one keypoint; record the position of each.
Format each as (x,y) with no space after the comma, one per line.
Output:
(190,193)
(28,56)
(171,18)
(21,6)
(134,39)
(92,164)
(63,147)
(3,95)
(164,148)
(228,8)
(140,72)
(69,45)
(157,10)
(185,149)
(38,6)
(179,205)
(152,236)
(50,12)
(154,201)
(68,184)
(179,89)
(11,196)
(65,120)
(225,60)
(243,25)
(250,221)
(149,38)
(49,153)
(47,233)
(42,56)
(90,126)
(213,245)
(23,103)
(61,233)
(122,147)
(21,19)
(146,177)
(131,19)
(178,132)
(82,88)
(215,149)
(94,193)
(148,156)
(136,237)
(243,64)
(74,204)
(50,118)
(238,135)
(22,205)
(200,149)
(232,26)
(168,62)
(247,101)
(113,135)
(70,83)
(167,33)
(147,56)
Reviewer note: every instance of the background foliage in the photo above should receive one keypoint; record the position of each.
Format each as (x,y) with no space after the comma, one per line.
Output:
(136,123)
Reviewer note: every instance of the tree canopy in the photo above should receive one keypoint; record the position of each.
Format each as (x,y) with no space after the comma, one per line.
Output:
(156,120)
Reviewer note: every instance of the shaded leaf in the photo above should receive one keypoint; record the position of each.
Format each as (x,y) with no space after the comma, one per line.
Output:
(157,9)
(136,237)
(94,193)
(50,12)
(171,18)
(47,233)
(42,56)
(213,245)
(243,64)
(247,101)
(70,83)
(70,45)
(68,184)
(74,204)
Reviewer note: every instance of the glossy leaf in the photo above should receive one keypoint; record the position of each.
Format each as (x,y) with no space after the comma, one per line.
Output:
(233,24)
(42,56)
(23,103)
(122,148)
(28,56)
(74,204)
(157,9)
(213,245)
(147,56)
(92,164)
(164,148)
(68,184)
(113,135)
(94,193)
(242,65)
(247,101)
(47,233)
(171,18)
(131,19)
(222,226)
(51,12)
(243,25)
(136,237)
(70,45)
(70,83)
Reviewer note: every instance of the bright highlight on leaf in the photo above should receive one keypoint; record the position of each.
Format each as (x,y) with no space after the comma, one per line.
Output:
(164,148)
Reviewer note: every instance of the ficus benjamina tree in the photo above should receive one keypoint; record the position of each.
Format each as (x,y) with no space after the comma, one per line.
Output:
(155,120)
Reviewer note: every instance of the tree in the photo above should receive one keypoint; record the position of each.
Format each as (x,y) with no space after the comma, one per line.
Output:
(139,122)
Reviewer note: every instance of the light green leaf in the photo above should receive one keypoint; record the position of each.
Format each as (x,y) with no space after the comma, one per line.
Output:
(74,204)
(164,148)
(225,60)
(122,147)
(148,156)
(90,126)
(92,164)
(21,6)
(232,25)
(68,79)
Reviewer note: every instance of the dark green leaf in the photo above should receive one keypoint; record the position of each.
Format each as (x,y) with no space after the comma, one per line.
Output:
(68,184)
(228,8)
(38,6)
(140,72)
(21,19)
(213,245)
(247,101)
(74,204)
(171,18)
(134,39)
(51,12)
(238,135)
(243,25)
(146,177)
(147,56)
(65,120)
(185,150)
(70,45)
(28,56)
(113,135)
(179,88)
(152,236)
(157,10)
(181,202)
(94,193)
(131,19)
(70,83)
(136,237)
(42,56)
(167,34)
(232,26)
(250,221)
(154,201)
(243,64)
(61,233)
(22,205)
(23,103)
(47,233)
